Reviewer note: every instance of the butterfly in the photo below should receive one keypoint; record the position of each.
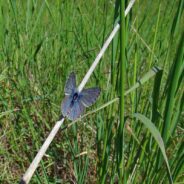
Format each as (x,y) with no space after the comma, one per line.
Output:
(75,102)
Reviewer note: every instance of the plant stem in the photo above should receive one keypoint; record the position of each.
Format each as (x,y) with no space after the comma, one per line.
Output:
(122,87)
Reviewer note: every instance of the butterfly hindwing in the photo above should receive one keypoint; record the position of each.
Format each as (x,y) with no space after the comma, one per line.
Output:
(70,85)
(65,107)
(72,109)
(89,96)
(76,110)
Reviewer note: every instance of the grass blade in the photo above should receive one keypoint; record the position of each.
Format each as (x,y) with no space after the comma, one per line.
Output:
(173,85)
(120,140)
(156,134)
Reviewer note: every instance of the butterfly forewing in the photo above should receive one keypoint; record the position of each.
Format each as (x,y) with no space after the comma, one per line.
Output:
(70,85)
(89,96)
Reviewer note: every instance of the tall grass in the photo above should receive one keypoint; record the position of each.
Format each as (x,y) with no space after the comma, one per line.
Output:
(120,135)
(41,42)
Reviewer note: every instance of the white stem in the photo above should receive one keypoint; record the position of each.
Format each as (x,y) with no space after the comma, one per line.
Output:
(27,176)
(102,51)
(131,3)
(99,56)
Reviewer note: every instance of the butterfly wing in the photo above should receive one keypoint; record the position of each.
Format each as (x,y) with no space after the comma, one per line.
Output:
(76,110)
(72,110)
(89,96)
(70,85)
(65,106)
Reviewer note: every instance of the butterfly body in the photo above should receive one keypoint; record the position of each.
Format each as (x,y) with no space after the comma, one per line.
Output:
(74,102)
(75,96)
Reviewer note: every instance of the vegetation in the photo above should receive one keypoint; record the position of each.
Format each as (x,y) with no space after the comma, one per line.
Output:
(140,139)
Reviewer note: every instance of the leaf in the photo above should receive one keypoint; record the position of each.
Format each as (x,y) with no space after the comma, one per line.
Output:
(156,134)
(152,72)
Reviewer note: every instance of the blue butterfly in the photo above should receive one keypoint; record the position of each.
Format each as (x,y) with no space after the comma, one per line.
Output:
(74,102)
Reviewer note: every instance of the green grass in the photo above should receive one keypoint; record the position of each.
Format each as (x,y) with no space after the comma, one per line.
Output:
(42,42)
